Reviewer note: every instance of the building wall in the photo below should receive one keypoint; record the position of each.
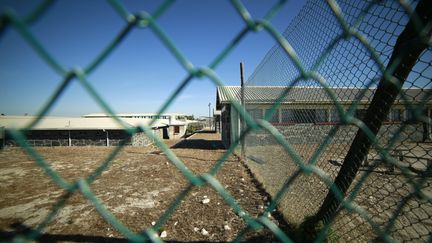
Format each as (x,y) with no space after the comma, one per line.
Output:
(2,137)
(226,125)
(158,132)
(82,138)
(173,134)
(140,140)
(300,133)
(217,123)
(329,110)
(235,125)
(315,134)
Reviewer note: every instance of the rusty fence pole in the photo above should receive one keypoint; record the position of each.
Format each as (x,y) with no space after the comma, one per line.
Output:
(407,49)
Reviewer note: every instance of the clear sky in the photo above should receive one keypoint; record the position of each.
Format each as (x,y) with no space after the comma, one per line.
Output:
(141,73)
(348,63)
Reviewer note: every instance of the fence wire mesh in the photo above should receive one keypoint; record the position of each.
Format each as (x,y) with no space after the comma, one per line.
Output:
(347,45)
(312,90)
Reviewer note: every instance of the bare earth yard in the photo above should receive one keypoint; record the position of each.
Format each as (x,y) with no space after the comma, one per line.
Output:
(137,188)
(381,193)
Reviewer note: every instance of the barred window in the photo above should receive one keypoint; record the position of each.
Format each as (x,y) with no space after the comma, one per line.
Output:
(287,115)
(321,115)
(360,113)
(305,115)
(334,116)
(275,116)
(255,113)
(410,117)
(396,115)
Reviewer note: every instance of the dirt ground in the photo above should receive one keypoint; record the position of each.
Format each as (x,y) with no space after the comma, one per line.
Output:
(381,194)
(137,188)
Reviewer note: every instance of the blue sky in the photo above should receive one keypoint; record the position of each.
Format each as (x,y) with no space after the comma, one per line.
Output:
(141,73)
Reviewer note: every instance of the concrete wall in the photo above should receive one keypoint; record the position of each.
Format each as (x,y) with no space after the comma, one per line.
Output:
(2,137)
(226,125)
(82,138)
(235,124)
(310,133)
(315,134)
(140,140)
(173,134)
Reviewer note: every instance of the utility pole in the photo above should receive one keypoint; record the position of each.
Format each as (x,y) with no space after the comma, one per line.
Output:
(242,123)
(209,116)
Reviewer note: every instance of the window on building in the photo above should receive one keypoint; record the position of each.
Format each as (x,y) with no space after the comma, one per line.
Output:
(301,115)
(321,115)
(360,113)
(396,115)
(304,115)
(288,115)
(176,129)
(275,116)
(255,113)
(334,116)
(410,116)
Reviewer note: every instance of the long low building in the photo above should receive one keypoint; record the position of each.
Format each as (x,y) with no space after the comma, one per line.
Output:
(312,109)
(93,129)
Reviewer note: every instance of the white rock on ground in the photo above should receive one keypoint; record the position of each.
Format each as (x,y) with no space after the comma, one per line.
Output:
(153,223)
(204,231)
(163,234)
(196,229)
(205,201)
(227,227)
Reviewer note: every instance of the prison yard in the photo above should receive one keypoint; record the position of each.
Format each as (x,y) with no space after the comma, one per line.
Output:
(138,188)
(328,139)
(382,191)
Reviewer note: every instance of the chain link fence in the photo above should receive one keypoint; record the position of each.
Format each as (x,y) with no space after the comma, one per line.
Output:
(329,48)
(325,113)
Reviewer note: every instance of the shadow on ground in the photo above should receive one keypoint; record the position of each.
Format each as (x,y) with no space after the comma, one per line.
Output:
(200,143)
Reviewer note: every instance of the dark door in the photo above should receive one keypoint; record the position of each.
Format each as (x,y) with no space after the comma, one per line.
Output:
(165,133)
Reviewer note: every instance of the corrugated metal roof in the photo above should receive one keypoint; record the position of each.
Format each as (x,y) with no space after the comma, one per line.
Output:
(74,123)
(268,94)
(98,115)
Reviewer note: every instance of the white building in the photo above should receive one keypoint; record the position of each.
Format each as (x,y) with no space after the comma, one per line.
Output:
(94,129)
